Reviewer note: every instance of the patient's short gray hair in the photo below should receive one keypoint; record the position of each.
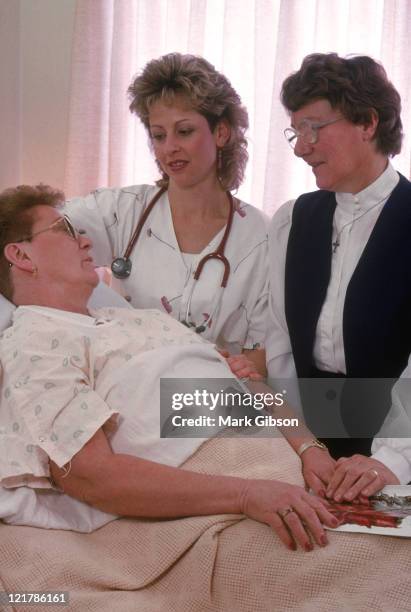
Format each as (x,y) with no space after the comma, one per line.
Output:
(16,220)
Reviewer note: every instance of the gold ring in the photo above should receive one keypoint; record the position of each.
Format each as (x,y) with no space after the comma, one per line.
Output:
(285,512)
(376,474)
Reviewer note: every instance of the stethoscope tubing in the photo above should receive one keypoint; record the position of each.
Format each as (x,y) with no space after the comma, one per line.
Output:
(121,266)
(124,262)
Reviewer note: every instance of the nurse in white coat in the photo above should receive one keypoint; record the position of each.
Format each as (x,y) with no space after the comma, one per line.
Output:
(196,125)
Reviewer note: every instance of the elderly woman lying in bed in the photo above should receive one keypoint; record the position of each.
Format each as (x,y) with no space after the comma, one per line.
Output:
(74,379)
(201,560)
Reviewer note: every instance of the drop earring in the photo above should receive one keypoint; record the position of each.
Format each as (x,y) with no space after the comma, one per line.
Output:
(219,161)
(220,164)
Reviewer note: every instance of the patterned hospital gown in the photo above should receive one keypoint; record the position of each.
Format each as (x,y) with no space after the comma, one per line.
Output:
(65,375)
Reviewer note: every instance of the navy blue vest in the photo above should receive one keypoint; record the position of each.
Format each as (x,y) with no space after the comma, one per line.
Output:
(377,309)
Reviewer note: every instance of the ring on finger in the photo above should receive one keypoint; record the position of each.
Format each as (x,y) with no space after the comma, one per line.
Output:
(285,512)
(376,474)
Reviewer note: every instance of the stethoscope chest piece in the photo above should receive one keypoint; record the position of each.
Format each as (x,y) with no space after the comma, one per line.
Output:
(121,267)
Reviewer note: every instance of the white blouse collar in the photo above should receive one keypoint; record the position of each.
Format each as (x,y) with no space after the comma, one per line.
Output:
(372,195)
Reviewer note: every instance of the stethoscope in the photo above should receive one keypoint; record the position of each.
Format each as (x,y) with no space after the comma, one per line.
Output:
(121,266)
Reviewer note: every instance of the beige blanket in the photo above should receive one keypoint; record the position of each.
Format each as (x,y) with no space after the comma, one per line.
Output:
(209,564)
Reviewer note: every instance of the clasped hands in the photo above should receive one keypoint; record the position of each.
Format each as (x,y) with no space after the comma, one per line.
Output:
(346,480)
(349,479)
(298,518)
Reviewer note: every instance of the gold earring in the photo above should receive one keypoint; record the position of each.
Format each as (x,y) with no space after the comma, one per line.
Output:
(34,271)
(219,160)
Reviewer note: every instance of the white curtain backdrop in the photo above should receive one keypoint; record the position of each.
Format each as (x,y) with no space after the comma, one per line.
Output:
(256,43)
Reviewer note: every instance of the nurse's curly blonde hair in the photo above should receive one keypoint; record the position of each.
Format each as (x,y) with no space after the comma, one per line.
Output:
(209,92)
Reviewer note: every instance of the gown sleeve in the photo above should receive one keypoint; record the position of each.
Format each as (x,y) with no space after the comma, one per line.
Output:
(49,407)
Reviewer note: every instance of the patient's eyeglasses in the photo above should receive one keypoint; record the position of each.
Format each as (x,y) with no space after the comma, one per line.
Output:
(307,131)
(63,224)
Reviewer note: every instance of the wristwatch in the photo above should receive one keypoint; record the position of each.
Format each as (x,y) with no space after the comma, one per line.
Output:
(309,444)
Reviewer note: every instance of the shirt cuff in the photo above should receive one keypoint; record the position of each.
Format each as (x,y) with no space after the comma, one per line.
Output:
(395,462)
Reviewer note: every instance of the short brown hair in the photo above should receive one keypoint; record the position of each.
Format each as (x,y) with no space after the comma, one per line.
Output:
(209,92)
(16,220)
(356,86)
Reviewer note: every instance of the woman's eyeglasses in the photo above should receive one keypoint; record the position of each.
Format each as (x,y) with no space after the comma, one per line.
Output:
(63,224)
(307,131)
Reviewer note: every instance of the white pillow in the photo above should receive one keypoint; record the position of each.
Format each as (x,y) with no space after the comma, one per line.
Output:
(6,310)
(48,508)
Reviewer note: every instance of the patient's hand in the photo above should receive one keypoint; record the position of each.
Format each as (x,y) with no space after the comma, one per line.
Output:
(296,516)
(359,477)
(318,468)
(241,366)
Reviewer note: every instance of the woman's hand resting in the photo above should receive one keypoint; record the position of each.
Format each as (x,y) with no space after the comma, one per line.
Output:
(295,516)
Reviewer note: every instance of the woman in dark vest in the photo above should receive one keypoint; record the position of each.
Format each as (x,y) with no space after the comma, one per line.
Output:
(341,268)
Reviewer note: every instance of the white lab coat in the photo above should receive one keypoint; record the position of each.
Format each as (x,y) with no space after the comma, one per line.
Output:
(162,276)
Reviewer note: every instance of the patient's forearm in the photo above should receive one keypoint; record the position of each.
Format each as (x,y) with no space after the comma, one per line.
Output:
(141,488)
(129,486)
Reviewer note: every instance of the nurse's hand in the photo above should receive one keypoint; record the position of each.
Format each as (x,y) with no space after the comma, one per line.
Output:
(318,468)
(241,366)
(105,275)
(359,477)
